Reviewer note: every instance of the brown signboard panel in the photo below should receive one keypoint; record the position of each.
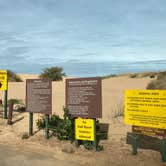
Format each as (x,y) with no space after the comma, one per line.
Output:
(39,96)
(83,97)
(149,131)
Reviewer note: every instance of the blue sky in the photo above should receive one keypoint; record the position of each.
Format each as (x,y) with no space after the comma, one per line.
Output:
(48,32)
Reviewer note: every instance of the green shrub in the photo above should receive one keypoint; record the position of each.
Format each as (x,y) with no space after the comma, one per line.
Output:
(134,75)
(12,77)
(25,135)
(41,123)
(64,129)
(15,101)
(53,73)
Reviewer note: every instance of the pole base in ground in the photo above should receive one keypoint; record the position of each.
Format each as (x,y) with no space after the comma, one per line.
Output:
(95,140)
(134,144)
(30,124)
(47,128)
(164,151)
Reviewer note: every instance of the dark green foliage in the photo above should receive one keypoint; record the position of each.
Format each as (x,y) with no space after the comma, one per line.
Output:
(88,144)
(159,83)
(55,120)
(133,75)
(14,101)
(20,109)
(53,73)
(64,129)
(25,136)
(12,77)
(41,123)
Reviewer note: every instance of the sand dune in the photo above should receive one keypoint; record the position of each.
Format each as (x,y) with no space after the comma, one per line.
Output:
(116,151)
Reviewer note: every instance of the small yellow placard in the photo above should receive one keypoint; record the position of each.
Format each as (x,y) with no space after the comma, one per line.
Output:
(84,129)
(146,108)
(3,79)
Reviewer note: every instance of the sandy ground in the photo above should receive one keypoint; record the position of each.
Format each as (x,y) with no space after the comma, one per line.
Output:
(38,151)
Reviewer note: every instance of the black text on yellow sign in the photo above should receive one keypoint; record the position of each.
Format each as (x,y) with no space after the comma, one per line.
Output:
(84,129)
(3,80)
(146,108)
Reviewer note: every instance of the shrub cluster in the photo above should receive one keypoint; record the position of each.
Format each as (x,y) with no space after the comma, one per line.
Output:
(159,83)
(53,73)
(12,77)
(64,129)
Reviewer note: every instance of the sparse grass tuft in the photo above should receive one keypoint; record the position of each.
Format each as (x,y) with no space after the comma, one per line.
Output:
(25,135)
(119,111)
(109,76)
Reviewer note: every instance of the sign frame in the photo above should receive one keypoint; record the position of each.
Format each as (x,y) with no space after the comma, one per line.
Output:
(49,111)
(142,108)
(84,97)
(3,80)
(85,129)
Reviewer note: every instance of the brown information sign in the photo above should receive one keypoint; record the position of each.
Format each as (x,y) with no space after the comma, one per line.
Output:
(149,131)
(83,97)
(39,96)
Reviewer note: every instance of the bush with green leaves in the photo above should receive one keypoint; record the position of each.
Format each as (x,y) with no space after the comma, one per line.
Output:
(13,77)
(53,73)
(64,129)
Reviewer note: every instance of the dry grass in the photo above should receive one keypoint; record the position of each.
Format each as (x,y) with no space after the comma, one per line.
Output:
(159,83)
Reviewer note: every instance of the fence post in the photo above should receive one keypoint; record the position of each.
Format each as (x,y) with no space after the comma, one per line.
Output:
(30,123)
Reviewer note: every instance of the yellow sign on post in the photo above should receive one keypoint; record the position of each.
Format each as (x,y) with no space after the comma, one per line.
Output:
(84,129)
(3,80)
(146,108)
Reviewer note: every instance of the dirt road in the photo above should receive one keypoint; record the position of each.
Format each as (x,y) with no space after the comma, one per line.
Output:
(10,156)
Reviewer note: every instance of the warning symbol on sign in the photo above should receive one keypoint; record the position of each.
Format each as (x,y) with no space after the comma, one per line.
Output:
(3,79)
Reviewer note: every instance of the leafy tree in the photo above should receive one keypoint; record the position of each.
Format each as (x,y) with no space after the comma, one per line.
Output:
(13,77)
(53,73)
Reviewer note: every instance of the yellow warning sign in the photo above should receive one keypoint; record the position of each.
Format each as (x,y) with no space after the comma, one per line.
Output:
(84,129)
(146,108)
(3,79)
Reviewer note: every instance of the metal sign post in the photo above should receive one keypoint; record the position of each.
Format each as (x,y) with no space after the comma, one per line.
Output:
(164,150)
(134,144)
(4,87)
(95,141)
(39,100)
(47,127)
(30,123)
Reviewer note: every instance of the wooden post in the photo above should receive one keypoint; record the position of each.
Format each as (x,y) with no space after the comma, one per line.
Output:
(5,104)
(30,123)
(9,122)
